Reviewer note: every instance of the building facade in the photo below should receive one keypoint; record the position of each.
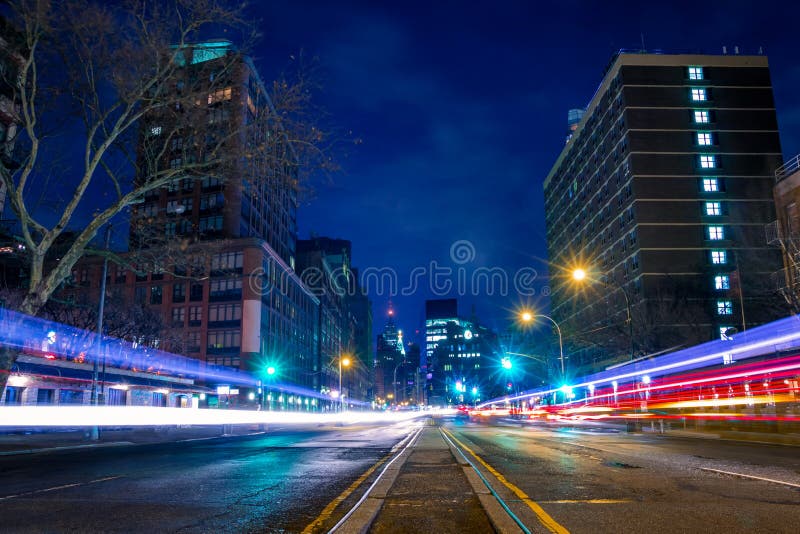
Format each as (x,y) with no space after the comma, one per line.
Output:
(461,361)
(661,197)
(784,232)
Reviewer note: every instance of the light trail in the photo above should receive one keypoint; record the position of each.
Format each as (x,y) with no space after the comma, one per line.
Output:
(123,416)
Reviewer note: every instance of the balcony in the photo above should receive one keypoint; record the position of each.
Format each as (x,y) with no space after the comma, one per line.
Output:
(777,236)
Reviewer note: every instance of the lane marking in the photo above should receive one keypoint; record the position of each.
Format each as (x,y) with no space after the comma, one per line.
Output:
(56,488)
(544,518)
(588,501)
(328,510)
(742,475)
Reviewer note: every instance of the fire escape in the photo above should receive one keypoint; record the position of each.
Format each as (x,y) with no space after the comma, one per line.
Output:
(785,233)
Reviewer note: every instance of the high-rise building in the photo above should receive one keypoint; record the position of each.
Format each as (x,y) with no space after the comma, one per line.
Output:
(461,363)
(784,232)
(389,357)
(216,247)
(661,196)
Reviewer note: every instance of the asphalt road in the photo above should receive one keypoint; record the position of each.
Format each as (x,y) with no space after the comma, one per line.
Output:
(602,481)
(276,482)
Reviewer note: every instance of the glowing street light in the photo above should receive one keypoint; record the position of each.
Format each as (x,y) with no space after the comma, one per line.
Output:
(344,361)
(579,275)
(527,316)
(506,363)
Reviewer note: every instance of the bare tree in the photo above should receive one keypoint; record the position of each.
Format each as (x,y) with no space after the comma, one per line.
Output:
(108,81)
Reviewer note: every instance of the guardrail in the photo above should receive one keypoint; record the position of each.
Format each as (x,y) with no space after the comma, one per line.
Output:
(787,168)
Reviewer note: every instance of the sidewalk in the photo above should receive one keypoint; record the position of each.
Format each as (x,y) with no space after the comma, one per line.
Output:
(27,442)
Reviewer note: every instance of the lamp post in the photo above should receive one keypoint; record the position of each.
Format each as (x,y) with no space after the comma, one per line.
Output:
(528,317)
(95,435)
(580,275)
(394,380)
(343,362)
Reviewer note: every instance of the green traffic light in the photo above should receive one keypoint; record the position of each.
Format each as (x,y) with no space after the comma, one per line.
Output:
(270,370)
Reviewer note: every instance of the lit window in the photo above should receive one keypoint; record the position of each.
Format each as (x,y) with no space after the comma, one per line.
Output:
(708,161)
(704,138)
(155,130)
(719,257)
(723,335)
(701,117)
(722,281)
(724,307)
(699,95)
(695,73)
(716,233)
(710,185)
(713,208)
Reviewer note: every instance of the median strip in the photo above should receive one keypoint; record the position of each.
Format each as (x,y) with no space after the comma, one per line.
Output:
(544,518)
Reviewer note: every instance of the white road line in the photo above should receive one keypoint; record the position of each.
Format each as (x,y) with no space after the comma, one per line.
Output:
(750,476)
(56,488)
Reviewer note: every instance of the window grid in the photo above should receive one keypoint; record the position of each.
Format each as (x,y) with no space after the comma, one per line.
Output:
(713,208)
(724,307)
(701,117)
(708,161)
(711,185)
(722,282)
(695,73)
(704,138)
(715,233)
(699,94)
(719,257)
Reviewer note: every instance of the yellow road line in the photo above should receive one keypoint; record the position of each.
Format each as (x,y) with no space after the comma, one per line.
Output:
(551,524)
(328,510)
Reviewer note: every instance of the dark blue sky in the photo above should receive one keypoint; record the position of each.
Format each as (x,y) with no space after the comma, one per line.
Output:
(462,111)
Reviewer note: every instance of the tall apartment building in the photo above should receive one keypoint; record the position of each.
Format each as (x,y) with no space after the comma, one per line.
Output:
(225,284)
(661,195)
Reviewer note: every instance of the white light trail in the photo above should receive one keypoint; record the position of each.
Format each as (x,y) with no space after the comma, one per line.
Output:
(83,416)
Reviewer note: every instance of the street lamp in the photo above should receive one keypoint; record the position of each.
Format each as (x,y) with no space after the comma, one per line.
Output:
(344,361)
(579,275)
(528,317)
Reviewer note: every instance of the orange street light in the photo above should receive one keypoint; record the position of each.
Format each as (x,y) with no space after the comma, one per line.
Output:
(579,274)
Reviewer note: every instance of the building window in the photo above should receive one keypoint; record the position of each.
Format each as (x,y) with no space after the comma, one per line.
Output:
(723,333)
(715,233)
(229,261)
(196,292)
(224,339)
(178,316)
(220,95)
(713,208)
(195,315)
(178,292)
(224,313)
(695,73)
(699,94)
(704,138)
(211,224)
(719,257)
(140,295)
(226,289)
(722,281)
(708,161)
(193,342)
(156,294)
(711,185)
(724,307)
(701,117)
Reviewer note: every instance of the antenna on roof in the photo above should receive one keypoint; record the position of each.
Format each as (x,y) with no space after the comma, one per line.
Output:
(644,48)
(736,50)
(760,50)
(725,50)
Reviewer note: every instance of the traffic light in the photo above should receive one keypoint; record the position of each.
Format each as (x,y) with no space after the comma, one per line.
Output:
(506,363)
(271,370)
(508,386)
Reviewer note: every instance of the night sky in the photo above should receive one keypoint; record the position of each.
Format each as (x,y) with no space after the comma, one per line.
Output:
(462,110)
